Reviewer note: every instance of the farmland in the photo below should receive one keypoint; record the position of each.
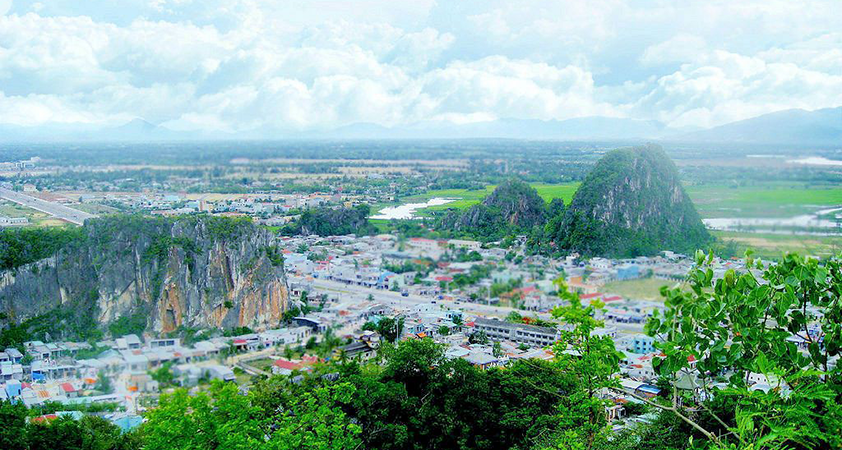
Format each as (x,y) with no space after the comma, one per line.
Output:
(771,200)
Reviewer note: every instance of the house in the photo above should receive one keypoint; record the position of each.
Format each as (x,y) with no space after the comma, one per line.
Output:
(128,342)
(136,362)
(14,355)
(468,245)
(628,271)
(218,372)
(69,390)
(285,367)
(159,343)
(500,330)
(11,371)
(358,350)
(643,344)
(481,359)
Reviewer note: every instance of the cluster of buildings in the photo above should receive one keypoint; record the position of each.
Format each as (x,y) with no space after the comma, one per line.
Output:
(73,372)
(456,292)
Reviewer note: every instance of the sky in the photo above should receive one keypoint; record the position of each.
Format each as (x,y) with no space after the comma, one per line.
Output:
(238,65)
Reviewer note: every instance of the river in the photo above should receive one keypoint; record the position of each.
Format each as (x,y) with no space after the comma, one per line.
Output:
(407,210)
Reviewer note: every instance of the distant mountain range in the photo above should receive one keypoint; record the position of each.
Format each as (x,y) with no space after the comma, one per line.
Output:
(822,128)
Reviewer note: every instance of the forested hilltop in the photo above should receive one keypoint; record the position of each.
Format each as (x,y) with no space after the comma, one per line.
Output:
(513,207)
(128,274)
(326,221)
(632,203)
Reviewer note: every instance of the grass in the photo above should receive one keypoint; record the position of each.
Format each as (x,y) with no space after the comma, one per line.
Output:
(772,246)
(774,199)
(264,364)
(36,218)
(639,289)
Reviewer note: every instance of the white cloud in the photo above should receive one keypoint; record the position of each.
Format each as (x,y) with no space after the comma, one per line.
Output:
(679,48)
(722,87)
(307,64)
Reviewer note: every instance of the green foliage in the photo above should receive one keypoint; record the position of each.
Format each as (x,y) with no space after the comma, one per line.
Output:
(12,425)
(237,331)
(90,432)
(51,407)
(325,221)
(103,383)
(513,207)
(479,337)
(64,322)
(632,203)
(90,353)
(131,324)
(163,375)
(593,362)
(226,228)
(275,255)
(498,288)
(408,266)
(222,418)
(390,328)
(473,276)
(795,297)
(20,246)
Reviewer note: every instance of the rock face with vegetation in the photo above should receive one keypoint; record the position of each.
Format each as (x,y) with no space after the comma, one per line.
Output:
(632,203)
(326,221)
(130,274)
(512,206)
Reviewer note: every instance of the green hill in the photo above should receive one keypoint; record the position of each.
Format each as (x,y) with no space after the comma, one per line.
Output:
(513,206)
(631,203)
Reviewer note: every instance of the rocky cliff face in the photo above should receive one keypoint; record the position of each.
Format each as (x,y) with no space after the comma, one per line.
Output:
(632,203)
(191,272)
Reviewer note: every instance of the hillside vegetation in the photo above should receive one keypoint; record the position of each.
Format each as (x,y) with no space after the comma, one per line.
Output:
(326,221)
(632,203)
(513,207)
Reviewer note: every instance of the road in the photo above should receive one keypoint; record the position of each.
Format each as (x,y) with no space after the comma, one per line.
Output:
(54,209)
(397,300)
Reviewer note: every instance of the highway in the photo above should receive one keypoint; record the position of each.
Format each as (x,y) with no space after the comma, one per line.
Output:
(54,209)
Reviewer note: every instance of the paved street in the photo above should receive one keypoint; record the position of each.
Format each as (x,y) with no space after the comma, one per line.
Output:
(54,209)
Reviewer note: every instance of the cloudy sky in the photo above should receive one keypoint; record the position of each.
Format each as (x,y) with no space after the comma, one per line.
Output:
(234,65)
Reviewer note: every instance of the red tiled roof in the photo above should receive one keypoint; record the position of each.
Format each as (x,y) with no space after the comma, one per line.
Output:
(67,387)
(45,417)
(284,364)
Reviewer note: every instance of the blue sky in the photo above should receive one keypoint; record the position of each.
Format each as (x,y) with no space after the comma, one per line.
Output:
(236,65)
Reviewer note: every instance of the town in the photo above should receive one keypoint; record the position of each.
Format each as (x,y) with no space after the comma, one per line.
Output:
(488,305)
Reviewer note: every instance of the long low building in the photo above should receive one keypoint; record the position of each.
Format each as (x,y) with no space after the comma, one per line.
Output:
(501,330)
